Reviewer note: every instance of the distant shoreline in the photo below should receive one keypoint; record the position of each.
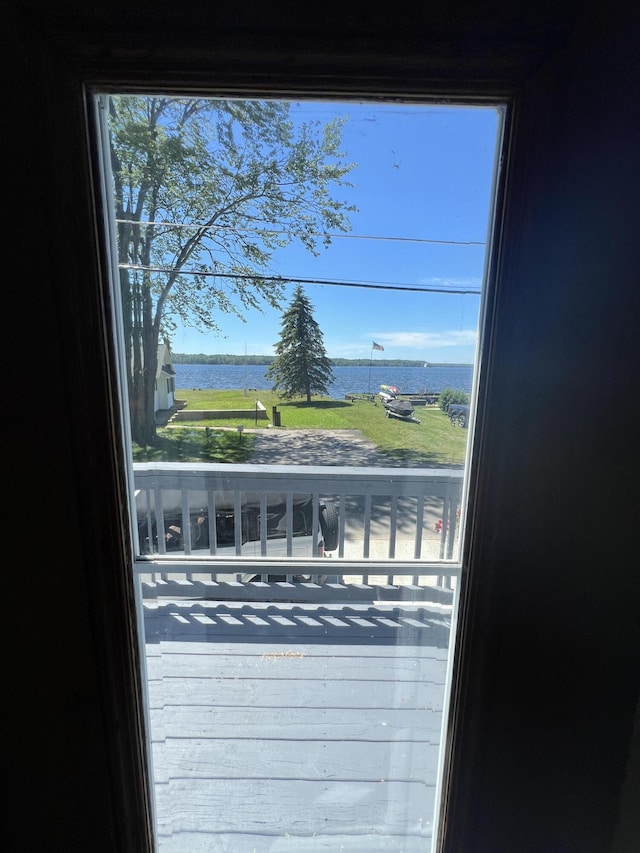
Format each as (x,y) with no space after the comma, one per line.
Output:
(222,358)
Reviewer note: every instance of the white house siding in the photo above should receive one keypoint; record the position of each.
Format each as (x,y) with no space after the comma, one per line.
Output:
(164,395)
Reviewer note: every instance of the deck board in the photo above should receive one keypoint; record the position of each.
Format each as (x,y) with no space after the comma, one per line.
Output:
(297,665)
(279,808)
(276,727)
(312,723)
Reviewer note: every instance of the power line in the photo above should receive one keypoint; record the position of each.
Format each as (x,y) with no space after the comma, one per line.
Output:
(275,231)
(319,281)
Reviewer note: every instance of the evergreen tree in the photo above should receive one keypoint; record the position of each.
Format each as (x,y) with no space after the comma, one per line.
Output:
(301,367)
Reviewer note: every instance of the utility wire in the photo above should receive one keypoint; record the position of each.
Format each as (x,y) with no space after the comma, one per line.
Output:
(274,231)
(320,281)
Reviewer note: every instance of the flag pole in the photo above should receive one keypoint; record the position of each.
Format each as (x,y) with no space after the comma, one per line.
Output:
(370,363)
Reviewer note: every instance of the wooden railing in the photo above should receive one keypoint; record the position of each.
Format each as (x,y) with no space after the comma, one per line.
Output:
(220,520)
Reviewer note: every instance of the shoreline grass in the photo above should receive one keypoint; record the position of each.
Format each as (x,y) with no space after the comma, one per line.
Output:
(431,443)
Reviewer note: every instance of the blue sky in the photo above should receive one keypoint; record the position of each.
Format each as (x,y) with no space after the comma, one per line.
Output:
(425,173)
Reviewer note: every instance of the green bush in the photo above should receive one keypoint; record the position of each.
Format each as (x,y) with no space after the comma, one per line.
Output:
(451,395)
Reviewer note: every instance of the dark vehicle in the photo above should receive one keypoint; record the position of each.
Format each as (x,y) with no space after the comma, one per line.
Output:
(224,528)
(458,415)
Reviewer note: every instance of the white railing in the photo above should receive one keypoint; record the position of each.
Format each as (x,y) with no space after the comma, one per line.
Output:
(268,519)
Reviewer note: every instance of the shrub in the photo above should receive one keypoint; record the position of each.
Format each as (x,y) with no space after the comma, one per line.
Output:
(449,396)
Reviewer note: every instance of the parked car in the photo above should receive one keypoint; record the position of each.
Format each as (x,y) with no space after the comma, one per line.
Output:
(458,415)
(250,534)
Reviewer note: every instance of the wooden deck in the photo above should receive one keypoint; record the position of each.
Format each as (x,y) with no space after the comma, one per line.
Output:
(295,727)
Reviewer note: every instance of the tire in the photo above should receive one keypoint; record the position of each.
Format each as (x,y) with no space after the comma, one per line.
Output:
(199,531)
(330,526)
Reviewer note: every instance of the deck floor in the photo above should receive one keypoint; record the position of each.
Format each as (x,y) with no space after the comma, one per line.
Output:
(295,727)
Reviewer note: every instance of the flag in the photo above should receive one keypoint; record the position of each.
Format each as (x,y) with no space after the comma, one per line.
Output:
(378,346)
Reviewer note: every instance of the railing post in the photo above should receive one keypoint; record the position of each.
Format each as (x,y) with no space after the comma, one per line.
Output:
(400,521)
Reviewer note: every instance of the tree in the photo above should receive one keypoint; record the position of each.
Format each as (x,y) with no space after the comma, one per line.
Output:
(205,191)
(451,396)
(301,367)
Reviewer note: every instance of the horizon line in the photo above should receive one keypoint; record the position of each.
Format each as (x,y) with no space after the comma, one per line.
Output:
(331,358)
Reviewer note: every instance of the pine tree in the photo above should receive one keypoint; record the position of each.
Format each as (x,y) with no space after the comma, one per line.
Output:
(301,367)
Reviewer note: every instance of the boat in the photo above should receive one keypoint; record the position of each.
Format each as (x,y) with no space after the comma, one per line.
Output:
(401,409)
(388,393)
(389,390)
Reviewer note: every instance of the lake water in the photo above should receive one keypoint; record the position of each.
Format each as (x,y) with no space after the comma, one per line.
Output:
(347,380)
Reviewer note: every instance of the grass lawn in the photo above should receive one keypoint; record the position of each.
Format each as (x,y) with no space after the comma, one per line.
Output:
(431,443)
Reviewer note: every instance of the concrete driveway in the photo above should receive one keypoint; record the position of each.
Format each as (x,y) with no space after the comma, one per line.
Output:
(317,447)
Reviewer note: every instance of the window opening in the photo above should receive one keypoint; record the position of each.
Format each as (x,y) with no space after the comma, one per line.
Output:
(299,294)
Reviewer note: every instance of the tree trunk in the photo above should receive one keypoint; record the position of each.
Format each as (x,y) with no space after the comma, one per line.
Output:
(144,365)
